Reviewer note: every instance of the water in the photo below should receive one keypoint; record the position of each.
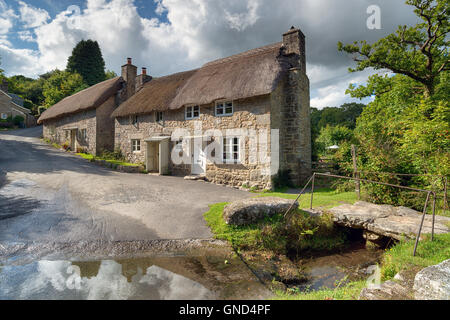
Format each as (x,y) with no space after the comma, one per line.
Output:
(166,278)
(334,270)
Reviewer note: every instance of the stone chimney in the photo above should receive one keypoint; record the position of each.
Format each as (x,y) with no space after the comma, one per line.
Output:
(294,45)
(129,73)
(4,86)
(142,79)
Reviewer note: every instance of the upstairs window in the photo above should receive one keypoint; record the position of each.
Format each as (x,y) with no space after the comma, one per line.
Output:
(224,108)
(231,150)
(134,120)
(192,112)
(136,145)
(159,116)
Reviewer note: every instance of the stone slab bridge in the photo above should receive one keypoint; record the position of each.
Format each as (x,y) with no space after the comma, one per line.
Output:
(386,221)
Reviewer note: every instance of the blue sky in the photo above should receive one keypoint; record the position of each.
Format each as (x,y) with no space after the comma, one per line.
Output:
(168,36)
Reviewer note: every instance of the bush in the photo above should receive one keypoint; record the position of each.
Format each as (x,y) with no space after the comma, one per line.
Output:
(282,179)
(18,120)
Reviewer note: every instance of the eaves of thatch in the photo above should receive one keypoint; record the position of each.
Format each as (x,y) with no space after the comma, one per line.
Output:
(248,74)
(155,95)
(87,99)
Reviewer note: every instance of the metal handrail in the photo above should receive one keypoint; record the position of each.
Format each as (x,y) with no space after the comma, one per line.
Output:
(429,193)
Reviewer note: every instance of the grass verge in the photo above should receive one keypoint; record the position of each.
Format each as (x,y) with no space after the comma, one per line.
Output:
(90,157)
(349,291)
(429,253)
(302,233)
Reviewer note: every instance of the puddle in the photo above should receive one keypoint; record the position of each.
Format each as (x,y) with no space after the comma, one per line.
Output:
(157,278)
(337,269)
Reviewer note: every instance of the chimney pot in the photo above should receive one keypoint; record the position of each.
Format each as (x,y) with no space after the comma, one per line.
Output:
(144,71)
(129,60)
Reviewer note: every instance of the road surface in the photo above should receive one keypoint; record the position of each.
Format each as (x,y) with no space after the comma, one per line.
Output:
(60,197)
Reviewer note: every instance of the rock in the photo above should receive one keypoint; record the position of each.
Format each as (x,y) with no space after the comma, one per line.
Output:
(389,290)
(433,283)
(250,211)
(386,220)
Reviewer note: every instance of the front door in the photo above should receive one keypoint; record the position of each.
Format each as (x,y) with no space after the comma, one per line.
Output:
(73,140)
(198,159)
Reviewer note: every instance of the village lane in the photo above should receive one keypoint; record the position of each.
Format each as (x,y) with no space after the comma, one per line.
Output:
(59,197)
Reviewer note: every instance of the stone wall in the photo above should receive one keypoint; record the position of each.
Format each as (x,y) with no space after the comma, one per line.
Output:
(5,107)
(291,114)
(253,113)
(54,129)
(105,126)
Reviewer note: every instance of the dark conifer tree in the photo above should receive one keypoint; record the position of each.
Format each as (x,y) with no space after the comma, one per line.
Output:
(87,60)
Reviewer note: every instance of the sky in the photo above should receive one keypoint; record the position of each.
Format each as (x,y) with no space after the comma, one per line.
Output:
(168,36)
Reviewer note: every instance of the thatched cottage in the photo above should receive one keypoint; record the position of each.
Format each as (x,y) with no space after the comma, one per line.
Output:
(11,106)
(261,94)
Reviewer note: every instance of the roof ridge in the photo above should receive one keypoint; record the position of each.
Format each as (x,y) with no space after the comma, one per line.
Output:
(248,53)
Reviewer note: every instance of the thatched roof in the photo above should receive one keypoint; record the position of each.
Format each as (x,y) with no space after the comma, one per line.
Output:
(154,95)
(84,100)
(248,74)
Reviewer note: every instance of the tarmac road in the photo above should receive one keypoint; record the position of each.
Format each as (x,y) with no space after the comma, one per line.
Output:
(56,196)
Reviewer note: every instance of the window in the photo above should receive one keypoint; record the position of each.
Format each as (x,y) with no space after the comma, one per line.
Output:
(231,150)
(224,108)
(134,120)
(192,112)
(82,134)
(136,145)
(159,116)
(4,116)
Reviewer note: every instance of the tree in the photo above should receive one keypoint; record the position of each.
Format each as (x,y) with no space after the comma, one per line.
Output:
(110,74)
(87,60)
(61,84)
(419,52)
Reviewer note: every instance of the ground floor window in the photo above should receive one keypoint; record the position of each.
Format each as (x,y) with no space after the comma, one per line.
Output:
(231,150)
(82,134)
(4,116)
(136,145)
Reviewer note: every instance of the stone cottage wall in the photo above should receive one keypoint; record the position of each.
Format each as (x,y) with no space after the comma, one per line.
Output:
(105,126)
(54,129)
(291,115)
(253,113)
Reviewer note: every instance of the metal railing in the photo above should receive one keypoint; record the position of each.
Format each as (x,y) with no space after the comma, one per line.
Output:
(428,192)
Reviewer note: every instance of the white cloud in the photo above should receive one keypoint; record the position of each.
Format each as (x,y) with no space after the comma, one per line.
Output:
(241,21)
(7,17)
(197,31)
(31,16)
(26,35)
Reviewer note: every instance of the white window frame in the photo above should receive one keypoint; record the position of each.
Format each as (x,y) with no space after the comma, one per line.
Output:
(136,145)
(223,103)
(4,116)
(230,144)
(192,111)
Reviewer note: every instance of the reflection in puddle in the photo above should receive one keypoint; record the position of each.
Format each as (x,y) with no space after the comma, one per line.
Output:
(101,280)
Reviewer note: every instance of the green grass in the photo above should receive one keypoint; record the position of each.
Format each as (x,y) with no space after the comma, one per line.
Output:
(323,197)
(349,291)
(90,157)
(429,253)
(307,234)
